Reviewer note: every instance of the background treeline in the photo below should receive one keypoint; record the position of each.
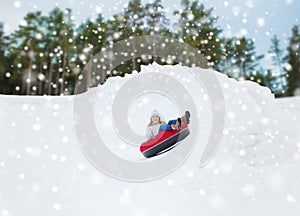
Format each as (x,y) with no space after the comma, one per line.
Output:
(45,55)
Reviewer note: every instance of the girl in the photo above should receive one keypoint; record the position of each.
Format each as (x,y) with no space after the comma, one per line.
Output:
(156,125)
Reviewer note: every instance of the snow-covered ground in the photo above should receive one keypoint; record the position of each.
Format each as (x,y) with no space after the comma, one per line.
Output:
(254,172)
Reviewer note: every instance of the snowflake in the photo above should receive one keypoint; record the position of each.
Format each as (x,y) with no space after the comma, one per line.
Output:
(226,3)
(22,176)
(260,22)
(8,74)
(17,4)
(54,189)
(57,206)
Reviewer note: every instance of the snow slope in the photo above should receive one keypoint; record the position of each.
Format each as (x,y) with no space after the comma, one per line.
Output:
(255,171)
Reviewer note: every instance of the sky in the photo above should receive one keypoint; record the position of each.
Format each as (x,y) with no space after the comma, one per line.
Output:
(255,19)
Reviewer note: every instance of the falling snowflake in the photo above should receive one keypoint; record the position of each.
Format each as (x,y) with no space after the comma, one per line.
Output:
(17,4)
(260,22)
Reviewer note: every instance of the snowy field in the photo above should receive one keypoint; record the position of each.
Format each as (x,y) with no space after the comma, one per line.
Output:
(254,172)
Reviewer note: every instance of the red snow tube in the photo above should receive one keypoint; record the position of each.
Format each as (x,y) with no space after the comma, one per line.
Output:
(163,141)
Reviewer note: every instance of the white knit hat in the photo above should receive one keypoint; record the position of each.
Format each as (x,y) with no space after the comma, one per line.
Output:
(155,113)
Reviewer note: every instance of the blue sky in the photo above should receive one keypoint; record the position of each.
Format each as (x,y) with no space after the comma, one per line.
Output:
(255,19)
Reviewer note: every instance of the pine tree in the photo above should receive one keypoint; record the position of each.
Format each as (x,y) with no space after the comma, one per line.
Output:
(246,57)
(197,27)
(293,57)
(155,20)
(127,24)
(240,59)
(90,39)
(60,48)
(26,42)
(134,20)
(6,81)
(227,62)
(156,23)
(277,58)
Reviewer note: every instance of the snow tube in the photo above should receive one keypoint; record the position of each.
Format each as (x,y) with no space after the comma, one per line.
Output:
(164,141)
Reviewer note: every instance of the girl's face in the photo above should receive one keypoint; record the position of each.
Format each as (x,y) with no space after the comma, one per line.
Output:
(155,119)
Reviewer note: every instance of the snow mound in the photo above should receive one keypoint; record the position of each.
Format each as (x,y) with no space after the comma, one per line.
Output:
(254,172)
(256,130)
(253,130)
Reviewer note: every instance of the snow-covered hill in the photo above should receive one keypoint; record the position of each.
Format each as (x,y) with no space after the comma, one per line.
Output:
(254,172)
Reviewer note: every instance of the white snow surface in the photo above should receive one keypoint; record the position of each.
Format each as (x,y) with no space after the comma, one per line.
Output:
(254,172)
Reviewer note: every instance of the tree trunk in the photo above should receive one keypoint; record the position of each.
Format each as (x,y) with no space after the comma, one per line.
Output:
(29,72)
(57,78)
(40,87)
(64,70)
(281,74)
(89,73)
(50,77)
(133,52)
(243,70)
